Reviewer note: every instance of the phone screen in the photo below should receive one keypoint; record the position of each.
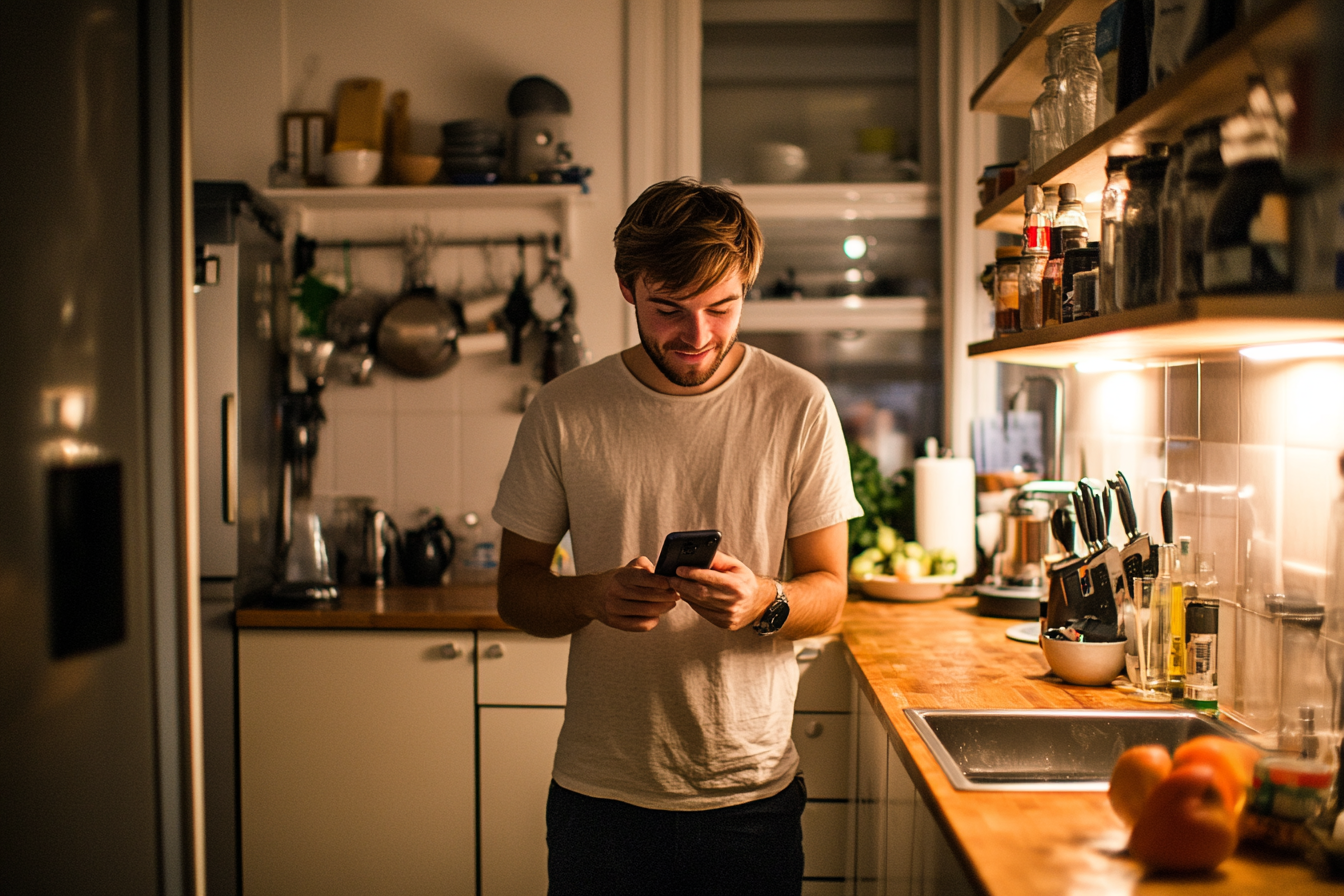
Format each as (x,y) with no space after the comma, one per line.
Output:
(696,548)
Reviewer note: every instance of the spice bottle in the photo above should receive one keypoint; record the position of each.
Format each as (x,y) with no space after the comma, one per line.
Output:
(1052,280)
(1079,259)
(1112,217)
(1035,254)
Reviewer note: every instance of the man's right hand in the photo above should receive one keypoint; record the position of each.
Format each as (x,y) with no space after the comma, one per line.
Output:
(632,598)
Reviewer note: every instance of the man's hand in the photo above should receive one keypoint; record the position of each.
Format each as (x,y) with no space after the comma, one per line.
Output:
(728,594)
(632,598)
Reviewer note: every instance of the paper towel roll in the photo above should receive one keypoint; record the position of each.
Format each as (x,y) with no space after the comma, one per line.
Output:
(945,507)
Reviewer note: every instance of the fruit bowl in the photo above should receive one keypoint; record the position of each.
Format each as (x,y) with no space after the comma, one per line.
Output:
(921,588)
(1091,663)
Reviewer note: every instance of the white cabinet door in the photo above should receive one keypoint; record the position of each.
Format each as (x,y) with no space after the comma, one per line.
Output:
(516,669)
(870,832)
(517,752)
(356,769)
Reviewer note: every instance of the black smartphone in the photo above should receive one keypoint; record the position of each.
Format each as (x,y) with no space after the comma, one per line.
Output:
(695,548)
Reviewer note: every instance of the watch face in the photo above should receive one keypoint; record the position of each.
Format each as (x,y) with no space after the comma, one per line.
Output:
(774,617)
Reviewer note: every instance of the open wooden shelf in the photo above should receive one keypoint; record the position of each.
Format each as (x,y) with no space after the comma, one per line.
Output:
(831,315)
(1213,83)
(1175,331)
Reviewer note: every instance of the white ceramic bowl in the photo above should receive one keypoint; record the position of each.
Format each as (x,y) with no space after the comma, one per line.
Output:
(924,588)
(353,167)
(1092,663)
(778,163)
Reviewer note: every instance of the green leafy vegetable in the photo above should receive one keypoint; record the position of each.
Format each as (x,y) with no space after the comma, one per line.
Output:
(886,501)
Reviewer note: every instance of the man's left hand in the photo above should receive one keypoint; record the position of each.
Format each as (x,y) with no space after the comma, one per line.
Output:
(727,594)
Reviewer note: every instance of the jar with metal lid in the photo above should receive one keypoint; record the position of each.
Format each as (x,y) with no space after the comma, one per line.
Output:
(1006,312)
(1140,257)
(1202,173)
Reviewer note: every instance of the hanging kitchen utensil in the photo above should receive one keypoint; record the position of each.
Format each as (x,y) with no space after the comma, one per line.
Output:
(565,349)
(417,335)
(518,313)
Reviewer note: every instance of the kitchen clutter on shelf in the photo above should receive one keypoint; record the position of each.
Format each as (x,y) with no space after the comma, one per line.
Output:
(368,141)
(422,331)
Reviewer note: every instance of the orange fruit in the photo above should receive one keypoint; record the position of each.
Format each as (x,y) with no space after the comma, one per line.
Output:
(1136,773)
(1185,824)
(1233,763)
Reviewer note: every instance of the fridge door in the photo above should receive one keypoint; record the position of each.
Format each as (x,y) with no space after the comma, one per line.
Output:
(97,637)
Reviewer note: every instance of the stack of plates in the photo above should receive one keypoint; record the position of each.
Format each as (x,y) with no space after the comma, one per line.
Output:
(473,151)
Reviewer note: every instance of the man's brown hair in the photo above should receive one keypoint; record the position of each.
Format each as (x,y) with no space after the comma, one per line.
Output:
(685,236)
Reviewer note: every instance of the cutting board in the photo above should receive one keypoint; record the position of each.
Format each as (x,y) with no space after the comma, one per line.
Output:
(359,115)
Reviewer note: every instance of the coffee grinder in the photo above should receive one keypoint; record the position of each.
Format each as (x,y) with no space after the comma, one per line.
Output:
(307,574)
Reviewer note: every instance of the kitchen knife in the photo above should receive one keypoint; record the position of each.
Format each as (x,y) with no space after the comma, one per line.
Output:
(1106,508)
(1125,506)
(1061,525)
(1083,520)
(1090,514)
(1138,557)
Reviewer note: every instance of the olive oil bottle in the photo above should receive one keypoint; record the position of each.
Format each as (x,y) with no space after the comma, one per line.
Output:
(1179,572)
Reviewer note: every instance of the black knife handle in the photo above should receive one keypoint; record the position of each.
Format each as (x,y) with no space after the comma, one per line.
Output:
(1168,525)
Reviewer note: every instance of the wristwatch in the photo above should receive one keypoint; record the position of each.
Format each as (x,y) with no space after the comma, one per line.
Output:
(772,620)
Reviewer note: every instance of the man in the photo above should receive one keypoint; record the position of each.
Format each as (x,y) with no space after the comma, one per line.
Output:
(674,771)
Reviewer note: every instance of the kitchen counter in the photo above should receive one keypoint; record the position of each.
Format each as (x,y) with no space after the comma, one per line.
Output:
(944,655)
(930,655)
(449,607)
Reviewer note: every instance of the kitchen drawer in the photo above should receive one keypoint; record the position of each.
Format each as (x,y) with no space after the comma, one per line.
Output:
(824,682)
(516,669)
(825,826)
(823,746)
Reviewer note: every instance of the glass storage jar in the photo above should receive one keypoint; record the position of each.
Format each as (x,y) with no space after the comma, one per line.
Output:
(1246,243)
(1139,258)
(1169,226)
(1202,173)
(1112,217)
(1079,80)
(1046,137)
(1006,312)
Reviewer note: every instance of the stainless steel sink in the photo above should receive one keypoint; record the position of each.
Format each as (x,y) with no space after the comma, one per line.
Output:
(1047,749)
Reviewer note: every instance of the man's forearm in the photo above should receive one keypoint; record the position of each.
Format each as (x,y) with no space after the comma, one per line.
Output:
(541,603)
(816,600)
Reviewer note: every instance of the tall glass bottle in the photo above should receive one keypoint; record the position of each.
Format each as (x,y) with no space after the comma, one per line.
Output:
(1139,259)
(1045,139)
(1182,566)
(1112,216)
(1201,637)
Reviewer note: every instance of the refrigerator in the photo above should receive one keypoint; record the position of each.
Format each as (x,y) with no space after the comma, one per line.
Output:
(99,697)
(239,379)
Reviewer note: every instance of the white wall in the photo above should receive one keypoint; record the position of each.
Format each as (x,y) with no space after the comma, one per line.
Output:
(440,442)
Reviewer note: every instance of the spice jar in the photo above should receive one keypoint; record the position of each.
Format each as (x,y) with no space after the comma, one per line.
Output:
(1006,272)
(1052,280)
(1139,259)
(1079,259)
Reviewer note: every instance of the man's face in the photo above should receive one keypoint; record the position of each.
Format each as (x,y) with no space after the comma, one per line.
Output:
(687,337)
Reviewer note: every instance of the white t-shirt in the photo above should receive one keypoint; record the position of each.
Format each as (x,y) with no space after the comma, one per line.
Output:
(688,715)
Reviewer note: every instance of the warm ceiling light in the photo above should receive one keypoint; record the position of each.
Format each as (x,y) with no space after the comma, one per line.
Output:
(855,247)
(1284,351)
(1105,365)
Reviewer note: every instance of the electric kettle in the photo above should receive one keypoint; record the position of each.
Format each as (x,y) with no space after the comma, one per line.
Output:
(381,543)
(426,552)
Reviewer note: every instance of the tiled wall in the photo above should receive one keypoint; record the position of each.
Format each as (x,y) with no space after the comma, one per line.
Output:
(1250,450)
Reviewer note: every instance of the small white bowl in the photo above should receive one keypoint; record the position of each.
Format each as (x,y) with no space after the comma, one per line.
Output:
(778,163)
(353,167)
(1091,663)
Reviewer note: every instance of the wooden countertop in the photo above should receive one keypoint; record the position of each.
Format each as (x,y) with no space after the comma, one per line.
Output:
(944,655)
(399,606)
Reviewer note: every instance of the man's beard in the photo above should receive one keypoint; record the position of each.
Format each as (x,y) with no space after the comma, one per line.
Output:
(688,379)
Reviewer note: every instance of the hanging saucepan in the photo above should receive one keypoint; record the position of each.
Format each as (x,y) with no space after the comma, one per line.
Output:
(417,335)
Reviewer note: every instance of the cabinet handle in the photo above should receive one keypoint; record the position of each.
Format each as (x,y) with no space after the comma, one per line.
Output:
(493,652)
(814,729)
(808,654)
(449,651)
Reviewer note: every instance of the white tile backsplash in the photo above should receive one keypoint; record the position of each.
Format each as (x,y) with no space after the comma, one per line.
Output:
(428,465)
(1250,451)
